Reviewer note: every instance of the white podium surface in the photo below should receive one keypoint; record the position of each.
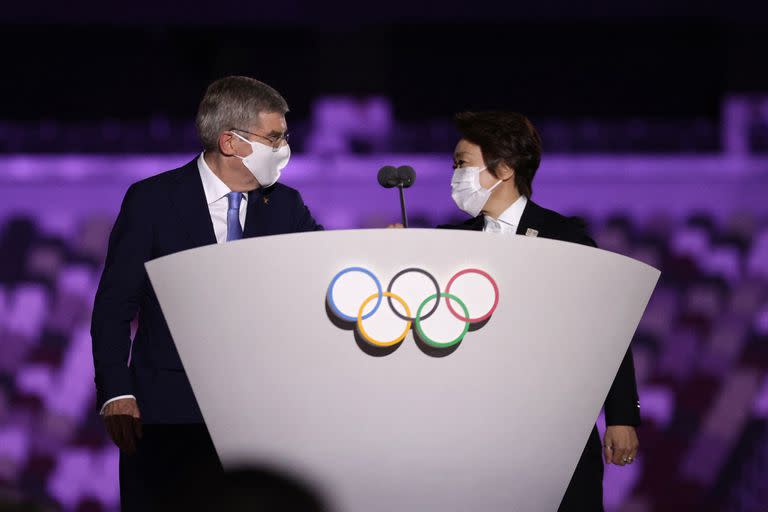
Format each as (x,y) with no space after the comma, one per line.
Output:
(497,422)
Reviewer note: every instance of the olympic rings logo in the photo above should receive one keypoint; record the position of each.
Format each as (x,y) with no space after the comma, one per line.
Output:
(355,304)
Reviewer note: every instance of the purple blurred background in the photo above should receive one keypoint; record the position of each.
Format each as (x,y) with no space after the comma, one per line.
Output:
(655,130)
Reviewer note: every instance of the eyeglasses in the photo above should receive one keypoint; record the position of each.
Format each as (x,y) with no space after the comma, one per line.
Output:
(275,142)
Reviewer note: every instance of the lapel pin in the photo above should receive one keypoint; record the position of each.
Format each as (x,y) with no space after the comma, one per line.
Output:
(265,199)
(531,232)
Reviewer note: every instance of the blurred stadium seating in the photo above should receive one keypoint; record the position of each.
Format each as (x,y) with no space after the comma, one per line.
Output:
(701,353)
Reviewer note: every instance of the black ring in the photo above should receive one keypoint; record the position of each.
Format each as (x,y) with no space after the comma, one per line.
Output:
(420,271)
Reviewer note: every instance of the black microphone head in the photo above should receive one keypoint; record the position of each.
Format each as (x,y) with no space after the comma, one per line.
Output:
(388,177)
(406,175)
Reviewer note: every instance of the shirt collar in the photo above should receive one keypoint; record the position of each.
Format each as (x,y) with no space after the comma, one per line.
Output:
(214,188)
(512,215)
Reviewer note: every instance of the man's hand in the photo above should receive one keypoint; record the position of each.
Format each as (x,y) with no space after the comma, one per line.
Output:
(620,445)
(123,421)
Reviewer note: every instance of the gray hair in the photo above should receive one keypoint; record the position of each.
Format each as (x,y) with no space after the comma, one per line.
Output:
(234,102)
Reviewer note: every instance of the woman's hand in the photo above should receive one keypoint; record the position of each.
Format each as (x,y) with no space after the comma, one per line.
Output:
(620,445)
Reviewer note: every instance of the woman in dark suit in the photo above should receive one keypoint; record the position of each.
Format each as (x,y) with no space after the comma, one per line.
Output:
(494,164)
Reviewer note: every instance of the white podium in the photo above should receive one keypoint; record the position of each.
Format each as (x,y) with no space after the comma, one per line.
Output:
(323,353)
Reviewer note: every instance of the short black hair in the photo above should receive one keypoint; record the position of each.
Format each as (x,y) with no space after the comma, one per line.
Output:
(504,137)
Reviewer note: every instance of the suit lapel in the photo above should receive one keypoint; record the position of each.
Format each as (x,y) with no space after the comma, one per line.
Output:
(477,224)
(257,214)
(530,219)
(191,206)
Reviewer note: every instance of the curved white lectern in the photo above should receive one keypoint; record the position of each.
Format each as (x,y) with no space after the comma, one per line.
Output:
(327,353)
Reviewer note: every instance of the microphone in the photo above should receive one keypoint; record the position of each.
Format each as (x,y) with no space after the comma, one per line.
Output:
(401,177)
(406,175)
(388,176)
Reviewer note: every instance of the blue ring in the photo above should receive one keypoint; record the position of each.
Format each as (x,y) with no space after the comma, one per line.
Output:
(336,310)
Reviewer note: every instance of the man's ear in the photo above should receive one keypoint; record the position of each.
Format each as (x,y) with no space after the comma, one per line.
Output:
(227,143)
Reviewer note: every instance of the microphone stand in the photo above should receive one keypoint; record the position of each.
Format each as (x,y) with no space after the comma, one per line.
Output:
(402,205)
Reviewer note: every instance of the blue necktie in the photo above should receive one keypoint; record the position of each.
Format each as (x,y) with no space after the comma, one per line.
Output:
(234,229)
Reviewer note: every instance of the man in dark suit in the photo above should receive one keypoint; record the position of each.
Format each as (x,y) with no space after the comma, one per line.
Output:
(230,191)
(494,165)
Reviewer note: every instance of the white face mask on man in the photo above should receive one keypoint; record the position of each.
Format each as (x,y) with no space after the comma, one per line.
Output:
(467,192)
(264,162)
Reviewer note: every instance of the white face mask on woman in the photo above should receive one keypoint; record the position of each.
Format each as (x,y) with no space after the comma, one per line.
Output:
(264,162)
(467,192)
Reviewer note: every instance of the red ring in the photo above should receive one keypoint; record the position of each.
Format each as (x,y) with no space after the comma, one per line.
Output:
(495,291)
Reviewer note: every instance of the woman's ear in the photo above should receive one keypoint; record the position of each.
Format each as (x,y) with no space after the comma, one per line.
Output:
(505,172)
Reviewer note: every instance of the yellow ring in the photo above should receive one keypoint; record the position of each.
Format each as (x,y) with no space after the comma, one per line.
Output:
(365,335)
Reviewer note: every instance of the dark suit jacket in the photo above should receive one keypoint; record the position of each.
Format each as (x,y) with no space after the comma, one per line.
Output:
(621,405)
(162,215)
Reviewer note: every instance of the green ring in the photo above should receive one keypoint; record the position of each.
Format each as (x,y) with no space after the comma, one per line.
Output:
(430,342)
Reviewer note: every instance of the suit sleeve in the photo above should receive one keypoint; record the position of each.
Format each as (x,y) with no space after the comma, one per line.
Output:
(622,406)
(121,287)
(303,220)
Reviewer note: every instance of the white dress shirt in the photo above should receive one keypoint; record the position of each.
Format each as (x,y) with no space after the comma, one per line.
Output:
(216,198)
(509,219)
